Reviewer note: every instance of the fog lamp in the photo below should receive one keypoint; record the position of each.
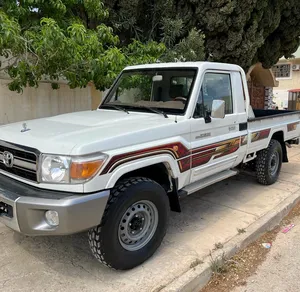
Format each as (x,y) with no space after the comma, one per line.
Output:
(52,218)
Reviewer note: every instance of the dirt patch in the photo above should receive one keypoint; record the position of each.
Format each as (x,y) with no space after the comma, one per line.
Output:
(236,270)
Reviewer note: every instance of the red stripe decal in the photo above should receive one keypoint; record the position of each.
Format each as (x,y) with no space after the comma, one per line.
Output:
(185,158)
(185,164)
(177,150)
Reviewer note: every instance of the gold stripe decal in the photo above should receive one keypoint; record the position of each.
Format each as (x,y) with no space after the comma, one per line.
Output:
(260,135)
(244,140)
(292,127)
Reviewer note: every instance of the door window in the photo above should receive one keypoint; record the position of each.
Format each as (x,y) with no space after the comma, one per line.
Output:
(214,86)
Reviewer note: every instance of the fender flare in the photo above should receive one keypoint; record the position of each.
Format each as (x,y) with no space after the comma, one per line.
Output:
(121,170)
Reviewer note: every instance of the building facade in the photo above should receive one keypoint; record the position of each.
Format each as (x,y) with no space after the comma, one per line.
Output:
(287,73)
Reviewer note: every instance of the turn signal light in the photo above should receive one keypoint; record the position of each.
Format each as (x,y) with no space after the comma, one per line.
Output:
(85,170)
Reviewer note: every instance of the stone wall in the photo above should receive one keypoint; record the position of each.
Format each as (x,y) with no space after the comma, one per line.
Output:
(257,95)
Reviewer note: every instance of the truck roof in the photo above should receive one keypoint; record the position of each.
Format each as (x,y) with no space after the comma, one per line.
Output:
(204,65)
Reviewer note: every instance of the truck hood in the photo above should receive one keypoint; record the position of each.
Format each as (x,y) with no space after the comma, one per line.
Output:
(86,132)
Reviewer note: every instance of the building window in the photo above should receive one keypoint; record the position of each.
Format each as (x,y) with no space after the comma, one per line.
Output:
(282,71)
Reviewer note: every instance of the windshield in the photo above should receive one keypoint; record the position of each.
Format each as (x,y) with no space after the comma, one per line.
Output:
(166,90)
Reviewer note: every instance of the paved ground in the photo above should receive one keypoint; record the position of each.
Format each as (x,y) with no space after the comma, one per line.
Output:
(208,217)
(281,270)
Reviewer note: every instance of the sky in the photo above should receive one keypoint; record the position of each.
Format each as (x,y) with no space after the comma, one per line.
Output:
(296,54)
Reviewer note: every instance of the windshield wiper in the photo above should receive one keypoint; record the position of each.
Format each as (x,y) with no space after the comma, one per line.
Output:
(154,110)
(120,108)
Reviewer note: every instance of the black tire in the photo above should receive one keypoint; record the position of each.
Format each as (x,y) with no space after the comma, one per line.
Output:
(268,163)
(105,240)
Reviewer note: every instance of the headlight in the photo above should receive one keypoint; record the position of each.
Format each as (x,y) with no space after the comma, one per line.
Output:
(55,169)
(63,169)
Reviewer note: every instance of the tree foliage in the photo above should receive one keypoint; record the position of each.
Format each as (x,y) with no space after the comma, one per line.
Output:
(236,31)
(190,48)
(90,40)
(64,39)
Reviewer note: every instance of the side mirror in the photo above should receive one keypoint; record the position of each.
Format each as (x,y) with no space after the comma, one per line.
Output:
(218,109)
(157,78)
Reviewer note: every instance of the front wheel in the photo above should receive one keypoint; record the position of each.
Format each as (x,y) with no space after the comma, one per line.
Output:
(268,163)
(133,225)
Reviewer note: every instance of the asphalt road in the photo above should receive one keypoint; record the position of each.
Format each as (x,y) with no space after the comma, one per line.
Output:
(280,271)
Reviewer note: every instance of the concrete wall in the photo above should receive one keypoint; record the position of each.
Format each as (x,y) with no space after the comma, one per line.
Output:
(281,98)
(44,101)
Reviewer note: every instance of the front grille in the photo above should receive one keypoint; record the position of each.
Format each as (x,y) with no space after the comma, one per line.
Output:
(24,161)
(20,154)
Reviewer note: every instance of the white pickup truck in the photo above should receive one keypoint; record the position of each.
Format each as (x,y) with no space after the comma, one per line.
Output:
(162,132)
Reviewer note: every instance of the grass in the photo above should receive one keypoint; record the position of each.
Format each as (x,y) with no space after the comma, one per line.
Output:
(241,230)
(195,263)
(218,245)
(217,264)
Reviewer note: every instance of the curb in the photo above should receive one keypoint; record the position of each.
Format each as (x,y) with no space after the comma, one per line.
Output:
(196,278)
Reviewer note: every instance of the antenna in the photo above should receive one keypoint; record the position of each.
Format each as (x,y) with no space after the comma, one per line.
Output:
(176,119)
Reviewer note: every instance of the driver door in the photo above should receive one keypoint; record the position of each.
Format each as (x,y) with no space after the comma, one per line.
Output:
(214,144)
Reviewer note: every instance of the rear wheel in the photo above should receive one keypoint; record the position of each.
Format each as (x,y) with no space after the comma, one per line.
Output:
(133,225)
(268,163)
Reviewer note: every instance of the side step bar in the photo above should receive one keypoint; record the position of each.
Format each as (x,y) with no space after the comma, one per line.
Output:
(201,184)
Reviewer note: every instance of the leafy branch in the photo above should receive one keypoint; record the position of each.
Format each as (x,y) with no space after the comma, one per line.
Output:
(62,46)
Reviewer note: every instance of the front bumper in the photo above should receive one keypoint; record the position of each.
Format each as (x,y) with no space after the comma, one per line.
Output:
(22,208)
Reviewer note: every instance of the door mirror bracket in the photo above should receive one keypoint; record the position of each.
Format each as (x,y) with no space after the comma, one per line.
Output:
(207,117)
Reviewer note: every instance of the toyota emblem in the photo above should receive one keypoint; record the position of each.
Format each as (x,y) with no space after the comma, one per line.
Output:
(8,159)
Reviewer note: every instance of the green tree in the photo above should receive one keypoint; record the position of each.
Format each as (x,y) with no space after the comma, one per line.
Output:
(190,48)
(64,39)
(236,31)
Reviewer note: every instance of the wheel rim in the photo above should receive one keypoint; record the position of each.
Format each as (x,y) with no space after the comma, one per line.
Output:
(138,225)
(274,163)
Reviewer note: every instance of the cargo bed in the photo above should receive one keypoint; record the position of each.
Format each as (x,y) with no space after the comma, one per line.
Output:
(265,114)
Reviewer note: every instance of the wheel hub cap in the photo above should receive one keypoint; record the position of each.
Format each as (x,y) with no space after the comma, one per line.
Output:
(138,225)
